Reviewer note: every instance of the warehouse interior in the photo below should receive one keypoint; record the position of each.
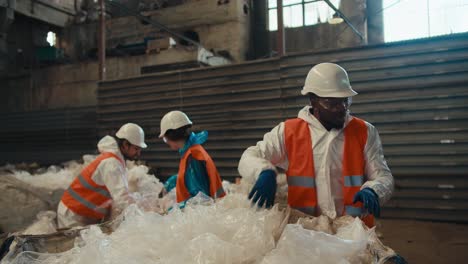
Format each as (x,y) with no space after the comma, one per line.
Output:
(74,71)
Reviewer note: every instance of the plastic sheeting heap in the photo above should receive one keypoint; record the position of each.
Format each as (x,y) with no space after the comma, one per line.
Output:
(52,178)
(145,189)
(45,224)
(27,194)
(60,177)
(230,230)
(298,245)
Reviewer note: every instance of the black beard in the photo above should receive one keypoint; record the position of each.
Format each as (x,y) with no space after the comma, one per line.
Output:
(332,125)
(329,120)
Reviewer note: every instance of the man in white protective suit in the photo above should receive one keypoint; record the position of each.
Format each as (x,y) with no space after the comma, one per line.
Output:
(104,181)
(334,161)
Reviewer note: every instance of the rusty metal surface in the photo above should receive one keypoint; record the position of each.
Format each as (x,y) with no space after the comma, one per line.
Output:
(47,137)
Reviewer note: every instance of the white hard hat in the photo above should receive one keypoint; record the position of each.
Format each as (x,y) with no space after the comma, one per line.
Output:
(328,80)
(173,120)
(133,133)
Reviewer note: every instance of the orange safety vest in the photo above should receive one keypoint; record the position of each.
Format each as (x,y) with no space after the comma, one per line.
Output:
(302,193)
(86,198)
(198,153)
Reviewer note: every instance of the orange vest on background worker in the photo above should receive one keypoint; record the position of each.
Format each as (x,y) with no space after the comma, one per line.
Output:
(302,193)
(199,153)
(86,198)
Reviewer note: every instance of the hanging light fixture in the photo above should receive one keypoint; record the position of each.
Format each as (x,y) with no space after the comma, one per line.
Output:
(335,19)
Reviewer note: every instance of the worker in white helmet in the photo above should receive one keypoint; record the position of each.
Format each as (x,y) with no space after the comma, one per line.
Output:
(197,171)
(334,161)
(89,198)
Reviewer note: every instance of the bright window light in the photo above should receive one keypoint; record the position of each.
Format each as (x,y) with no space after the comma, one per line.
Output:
(51,38)
(412,19)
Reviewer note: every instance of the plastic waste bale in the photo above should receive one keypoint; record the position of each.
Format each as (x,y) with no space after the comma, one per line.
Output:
(228,231)
(169,200)
(228,187)
(29,257)
(53,178)
(348,228)
(321,223)
(25,194)
(299,245)
(21,203)
(140,181)
(144,190)
(45,224)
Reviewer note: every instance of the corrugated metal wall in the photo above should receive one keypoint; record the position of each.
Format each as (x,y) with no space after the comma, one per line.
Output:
(47,137)
(414,92)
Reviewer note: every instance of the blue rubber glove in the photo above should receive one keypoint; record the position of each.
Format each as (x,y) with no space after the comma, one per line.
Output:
(398,260)
(170,183)
(369,198)
(264,189)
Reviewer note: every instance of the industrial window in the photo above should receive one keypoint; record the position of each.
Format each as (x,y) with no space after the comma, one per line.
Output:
(411,19)
(298,13)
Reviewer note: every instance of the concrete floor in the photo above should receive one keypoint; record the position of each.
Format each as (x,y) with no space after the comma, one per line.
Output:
(426,242)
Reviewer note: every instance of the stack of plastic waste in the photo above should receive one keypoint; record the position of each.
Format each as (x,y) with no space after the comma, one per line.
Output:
(27,194)
(21,202)
(229,230)
(45,224)
(51,178)
(145,189)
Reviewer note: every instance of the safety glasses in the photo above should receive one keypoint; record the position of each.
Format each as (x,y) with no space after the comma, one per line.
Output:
(334,104)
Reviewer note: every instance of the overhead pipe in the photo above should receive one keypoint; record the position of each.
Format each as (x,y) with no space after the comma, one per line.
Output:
(102,41)
(280,32)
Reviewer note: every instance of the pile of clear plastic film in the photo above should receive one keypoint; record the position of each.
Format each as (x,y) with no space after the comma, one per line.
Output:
(229,230)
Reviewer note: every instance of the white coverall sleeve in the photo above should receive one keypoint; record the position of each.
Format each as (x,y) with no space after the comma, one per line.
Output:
(267,154)
(379,176)
(113,176)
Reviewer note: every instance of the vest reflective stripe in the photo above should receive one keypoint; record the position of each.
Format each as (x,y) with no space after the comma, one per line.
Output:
(301,181)
(86,203)
(88,186)
(310,210)
(86,198)
(354,211)
(353,181)
(199,153)
(301,189)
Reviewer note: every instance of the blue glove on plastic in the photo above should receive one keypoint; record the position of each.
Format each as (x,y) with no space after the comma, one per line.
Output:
(264,189)
(398,259)
(170,183)
(369,198)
